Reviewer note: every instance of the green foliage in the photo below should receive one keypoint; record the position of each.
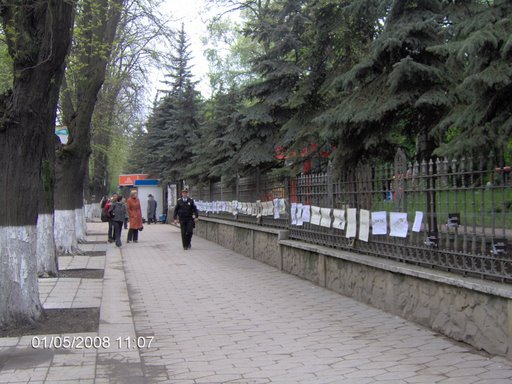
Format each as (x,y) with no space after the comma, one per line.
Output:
(6,75)
(118,114)
(358,78)
(480,60)
(172,128)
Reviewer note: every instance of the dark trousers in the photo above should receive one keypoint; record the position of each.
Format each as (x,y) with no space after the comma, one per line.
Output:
(118,227)
(133,234)
(187,230)
(110,230)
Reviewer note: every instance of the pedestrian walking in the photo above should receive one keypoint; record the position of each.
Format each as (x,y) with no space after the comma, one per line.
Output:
(118,214)
(134,216)
(123,200)
(151,209)
(185,210)
(106,211)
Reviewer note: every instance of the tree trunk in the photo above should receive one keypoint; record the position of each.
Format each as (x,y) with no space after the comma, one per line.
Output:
(38,36)
(99,20)
(70,170)
(47,263)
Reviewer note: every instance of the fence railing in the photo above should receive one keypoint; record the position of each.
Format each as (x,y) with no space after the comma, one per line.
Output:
(453,215)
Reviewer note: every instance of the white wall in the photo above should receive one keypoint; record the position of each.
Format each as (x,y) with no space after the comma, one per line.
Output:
(158,194)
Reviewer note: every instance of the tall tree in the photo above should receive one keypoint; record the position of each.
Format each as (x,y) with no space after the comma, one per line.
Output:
(215,150)
(38,35)
(97,22)
(172,130)
(479,58)
(400,89)
(136,50)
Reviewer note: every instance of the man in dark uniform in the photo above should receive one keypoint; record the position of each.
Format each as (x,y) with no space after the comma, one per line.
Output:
(186,210)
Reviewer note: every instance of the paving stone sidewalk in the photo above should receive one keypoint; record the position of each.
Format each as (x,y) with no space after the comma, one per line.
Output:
(212,316)
(219,317)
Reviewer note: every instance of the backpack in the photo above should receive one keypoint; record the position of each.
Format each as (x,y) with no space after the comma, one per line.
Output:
(104,213)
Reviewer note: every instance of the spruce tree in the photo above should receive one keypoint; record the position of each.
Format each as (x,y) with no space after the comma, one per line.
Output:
(172,128)
(400,90)
(336,36)
(480,60)
(277,28)
(215,150)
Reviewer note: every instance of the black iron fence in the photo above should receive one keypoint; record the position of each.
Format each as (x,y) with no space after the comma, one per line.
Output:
(255,190)
(454,215)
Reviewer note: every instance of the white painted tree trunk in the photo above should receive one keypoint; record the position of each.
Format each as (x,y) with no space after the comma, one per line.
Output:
(19,289)
(80,225)
(65,233)
(92,212)
(45,250)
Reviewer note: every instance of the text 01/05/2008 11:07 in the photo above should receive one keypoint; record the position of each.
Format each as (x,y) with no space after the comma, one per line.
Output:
(91,342)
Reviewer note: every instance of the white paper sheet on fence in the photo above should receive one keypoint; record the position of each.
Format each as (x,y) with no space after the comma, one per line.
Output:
(326,217)
(316,217)
(306,213)
(255,210)
(339,219)
(300,221)
(282,207)
(270,208)
(276,209)
(379,223)
(417,221)
(364,225)
(399,224)
(293,213)
(351,222)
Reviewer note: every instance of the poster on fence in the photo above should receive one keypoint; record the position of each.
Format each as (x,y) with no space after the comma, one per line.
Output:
(351,222)
(293,213)
(379,223)
(264,208)
(300,221)
(326,217)
(276,209)
(306,214)
(364,225)
(282,207)
(399,224)
(416,227)
(339,219)
(270,208)
(316,217)
(258,208)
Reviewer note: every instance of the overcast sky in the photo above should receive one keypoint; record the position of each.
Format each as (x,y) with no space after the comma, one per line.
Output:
(195,15)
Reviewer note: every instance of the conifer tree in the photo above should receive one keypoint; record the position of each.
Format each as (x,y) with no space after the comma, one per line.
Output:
(216,148)
(400,90)
(173,126)
(480,59)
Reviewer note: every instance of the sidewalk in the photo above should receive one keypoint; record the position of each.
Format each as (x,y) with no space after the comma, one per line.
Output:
(213,316)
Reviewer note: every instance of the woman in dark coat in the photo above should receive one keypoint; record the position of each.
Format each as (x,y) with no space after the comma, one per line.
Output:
(134,216)
(151,209)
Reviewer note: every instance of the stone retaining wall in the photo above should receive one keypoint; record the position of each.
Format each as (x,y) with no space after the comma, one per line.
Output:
(466,309)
